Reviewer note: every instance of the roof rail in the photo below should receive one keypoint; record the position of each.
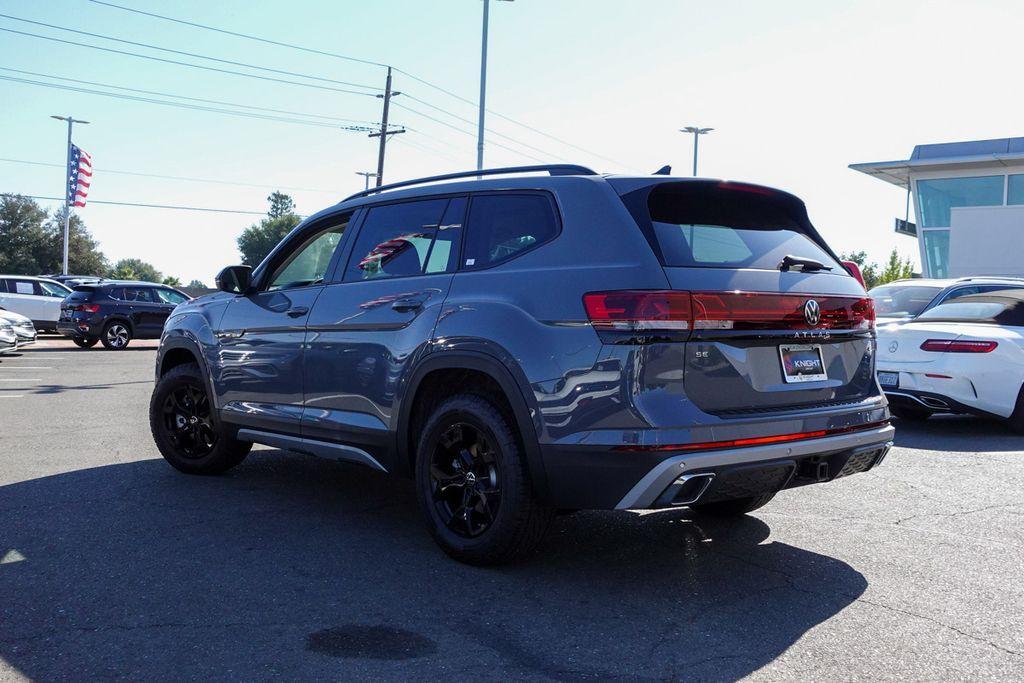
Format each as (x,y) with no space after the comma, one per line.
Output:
(552,169)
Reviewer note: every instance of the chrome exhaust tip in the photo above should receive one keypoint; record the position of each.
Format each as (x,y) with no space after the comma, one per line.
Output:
(687,489)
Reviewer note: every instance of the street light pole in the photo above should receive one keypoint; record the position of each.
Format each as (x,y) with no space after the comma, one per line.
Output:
(367,175)
(67,199)
(697,132)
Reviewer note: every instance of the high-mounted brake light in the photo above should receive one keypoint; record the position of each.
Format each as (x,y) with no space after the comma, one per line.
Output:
(638,310)
(954,346)
(745,187)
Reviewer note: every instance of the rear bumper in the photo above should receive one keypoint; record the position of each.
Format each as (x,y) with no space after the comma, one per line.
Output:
(593,478)
(75,328)
(936,402)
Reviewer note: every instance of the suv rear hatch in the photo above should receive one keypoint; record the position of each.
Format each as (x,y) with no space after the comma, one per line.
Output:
(776,322)
(77,301)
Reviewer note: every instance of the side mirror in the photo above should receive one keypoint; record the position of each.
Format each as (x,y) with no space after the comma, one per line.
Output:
(234,279)
(854,270)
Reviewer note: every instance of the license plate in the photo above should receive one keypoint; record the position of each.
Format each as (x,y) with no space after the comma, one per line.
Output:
(802,363)
(889,380)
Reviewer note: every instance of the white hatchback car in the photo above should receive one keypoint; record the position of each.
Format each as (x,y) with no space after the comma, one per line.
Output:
(36,298)
(963,356)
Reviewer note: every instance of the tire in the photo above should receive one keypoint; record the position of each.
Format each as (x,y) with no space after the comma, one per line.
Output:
(116,335)
(84,343)
(473,485)
(193,446)
(734,507)
(1016,420)
(910,414)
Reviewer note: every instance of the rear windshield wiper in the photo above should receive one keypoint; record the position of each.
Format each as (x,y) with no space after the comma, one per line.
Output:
(807,265)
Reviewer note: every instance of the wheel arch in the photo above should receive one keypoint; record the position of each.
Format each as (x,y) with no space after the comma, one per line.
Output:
(502,377)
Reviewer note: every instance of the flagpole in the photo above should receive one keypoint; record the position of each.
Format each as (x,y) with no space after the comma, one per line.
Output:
(67,198)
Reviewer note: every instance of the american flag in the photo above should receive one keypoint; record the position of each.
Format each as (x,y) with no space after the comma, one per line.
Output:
(79,175)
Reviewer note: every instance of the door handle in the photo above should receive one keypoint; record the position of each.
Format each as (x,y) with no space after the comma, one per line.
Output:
(297,312)
(407,304)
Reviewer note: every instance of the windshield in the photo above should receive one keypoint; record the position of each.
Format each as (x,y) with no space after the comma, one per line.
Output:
(902,301)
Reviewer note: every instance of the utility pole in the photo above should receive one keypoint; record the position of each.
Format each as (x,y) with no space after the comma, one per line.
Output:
(367,175)
(483,90)
(67,200)
(384,132)
(697,132)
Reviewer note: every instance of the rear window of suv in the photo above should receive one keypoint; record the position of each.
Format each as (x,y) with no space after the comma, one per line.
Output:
(723,225)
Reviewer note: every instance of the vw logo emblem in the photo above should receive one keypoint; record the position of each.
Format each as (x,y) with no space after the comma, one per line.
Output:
(812,312)
(892,347)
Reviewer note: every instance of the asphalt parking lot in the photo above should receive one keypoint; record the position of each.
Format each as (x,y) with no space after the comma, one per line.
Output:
(116,566)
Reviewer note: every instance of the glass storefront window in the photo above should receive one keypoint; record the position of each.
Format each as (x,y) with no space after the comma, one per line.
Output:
(937,197)
(936,252)
(1015,189)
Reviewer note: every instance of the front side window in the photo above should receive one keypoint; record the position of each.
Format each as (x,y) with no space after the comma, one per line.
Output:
(169,296)
(937,197)
(503,225)
(396,240)
(308,264)
(51,289)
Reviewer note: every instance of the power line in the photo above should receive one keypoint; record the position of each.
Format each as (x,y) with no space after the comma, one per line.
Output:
(189,64)
(362,61)
(186,97)
(465,132)
(174,177)
(147,206)
(241,35)
(182,105)
(191,54)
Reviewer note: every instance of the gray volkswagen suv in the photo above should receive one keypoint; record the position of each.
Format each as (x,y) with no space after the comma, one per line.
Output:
(524,344)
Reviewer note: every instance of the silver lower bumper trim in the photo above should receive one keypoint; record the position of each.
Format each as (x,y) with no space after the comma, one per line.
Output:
(647,490)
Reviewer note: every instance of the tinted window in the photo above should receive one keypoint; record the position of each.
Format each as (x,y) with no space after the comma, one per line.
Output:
(308,263)
(396,240)
(902,300)
(975,289)
(169,296)
(22,287)
(132,294)
(503,225)
(695,224)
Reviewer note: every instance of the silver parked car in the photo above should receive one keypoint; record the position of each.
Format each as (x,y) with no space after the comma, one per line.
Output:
(8,339)
(22,325)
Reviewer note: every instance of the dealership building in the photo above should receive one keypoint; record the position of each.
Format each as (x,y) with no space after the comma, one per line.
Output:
(968,202)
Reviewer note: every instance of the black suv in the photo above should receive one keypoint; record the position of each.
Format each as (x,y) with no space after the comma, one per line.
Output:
(525,344)
(115,312)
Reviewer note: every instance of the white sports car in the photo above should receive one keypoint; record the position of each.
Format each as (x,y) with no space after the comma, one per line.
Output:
(964,356)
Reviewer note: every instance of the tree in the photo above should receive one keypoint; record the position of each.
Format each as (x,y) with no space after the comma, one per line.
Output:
(260,238)
(32,241)
(896,269)
(197,284)
(869,271)
(135,269)
(172,281)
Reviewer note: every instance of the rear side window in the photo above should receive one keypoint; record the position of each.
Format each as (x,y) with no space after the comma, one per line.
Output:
(504,225)
(22,287)
(409,238)
(132,294)
(723,226)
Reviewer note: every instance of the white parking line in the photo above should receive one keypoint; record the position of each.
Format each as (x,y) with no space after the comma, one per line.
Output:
(5,366)
(20,379)
(11,395)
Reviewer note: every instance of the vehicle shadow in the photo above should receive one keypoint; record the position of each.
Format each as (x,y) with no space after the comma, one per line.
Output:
(953,433)
(291,567)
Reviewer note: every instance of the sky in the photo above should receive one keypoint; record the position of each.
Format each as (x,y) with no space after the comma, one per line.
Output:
(795,90)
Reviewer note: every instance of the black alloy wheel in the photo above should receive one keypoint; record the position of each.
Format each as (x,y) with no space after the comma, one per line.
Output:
(465,480)
(188,421)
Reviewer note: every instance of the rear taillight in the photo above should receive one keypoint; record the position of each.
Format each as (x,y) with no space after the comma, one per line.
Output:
(639,310)
(761,311)
(86,308)
(645,313)
(954,346)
